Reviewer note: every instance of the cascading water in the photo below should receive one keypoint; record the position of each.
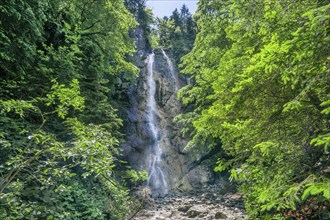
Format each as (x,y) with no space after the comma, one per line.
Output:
(157,179)
(172,70)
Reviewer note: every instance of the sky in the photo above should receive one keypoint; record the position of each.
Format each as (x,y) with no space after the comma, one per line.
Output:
(163,8)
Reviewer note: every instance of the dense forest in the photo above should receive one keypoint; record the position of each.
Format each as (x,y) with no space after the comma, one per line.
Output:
(260,86)
(64,65)
(257,95)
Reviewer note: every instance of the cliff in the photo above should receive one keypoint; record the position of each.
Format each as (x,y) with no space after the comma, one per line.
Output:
(180,170)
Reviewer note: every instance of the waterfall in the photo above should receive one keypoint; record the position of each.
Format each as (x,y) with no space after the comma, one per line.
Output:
(172,71)
(157,178)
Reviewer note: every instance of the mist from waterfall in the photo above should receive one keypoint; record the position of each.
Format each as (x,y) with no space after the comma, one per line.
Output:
(172,70)
(157,178)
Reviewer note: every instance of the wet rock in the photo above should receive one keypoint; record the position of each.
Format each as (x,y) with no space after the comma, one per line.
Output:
(198,177)
(137,128)
(185,185)
(184,208)
(220,215)
(196,211)
(179,167)
(190,205)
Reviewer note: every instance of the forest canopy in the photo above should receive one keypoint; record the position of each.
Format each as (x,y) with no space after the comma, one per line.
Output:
(260,83)
(60,64)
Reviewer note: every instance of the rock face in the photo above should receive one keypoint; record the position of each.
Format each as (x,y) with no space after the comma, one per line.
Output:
(175,164)
(189,178)
(181,170)
(199,176)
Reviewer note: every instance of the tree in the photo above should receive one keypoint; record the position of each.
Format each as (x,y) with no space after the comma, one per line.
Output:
(263,68)
(61,63)
(145,20)
(177,33)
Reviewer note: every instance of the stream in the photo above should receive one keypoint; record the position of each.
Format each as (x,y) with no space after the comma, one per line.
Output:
(206,204)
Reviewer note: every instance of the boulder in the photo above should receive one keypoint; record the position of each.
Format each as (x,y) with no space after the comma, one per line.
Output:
(184,208)
(220,215)
(199,176)
(196,211)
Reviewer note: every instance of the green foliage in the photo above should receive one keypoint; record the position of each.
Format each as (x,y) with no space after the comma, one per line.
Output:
(259,75)
(177,33)
(145,19)
(60,64)
(322,188)
(66,97)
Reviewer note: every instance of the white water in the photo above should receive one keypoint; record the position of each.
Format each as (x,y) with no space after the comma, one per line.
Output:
(172,71)
(157,178)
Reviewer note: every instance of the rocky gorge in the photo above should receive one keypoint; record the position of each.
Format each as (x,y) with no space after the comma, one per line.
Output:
(181,169)
(183,184)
